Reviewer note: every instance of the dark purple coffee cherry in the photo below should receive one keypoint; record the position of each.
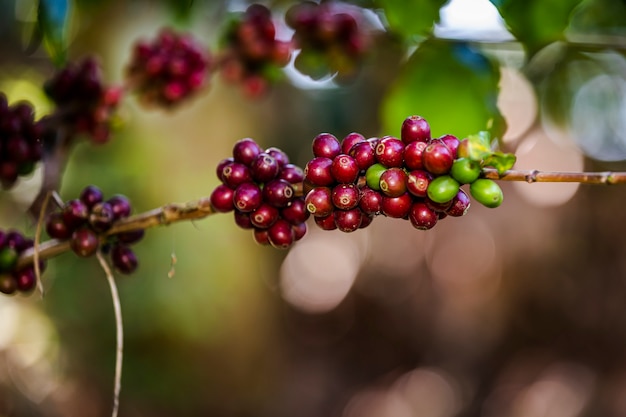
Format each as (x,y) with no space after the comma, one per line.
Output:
(247,197)
(438,207)
(366,220)
(236,173)
(291,173)
(299,230)
(264,168)
(318,172)
(345,196)
(264,216)
(364,154)
(390,152)
(15,240)
(452,142)
(91,195)
(326,145)
(56,227)
(370,201)
(120,205)
(393,182)
(319,202)
(279,155)
(84,242)
(261,236)
(344,169)
(219,170)
(222,199)
(124,259)
(396,207)
(418,181)
(296,212)
(245,151)
(413,155)
(348,220)
(460,205)
(422,217)
(130,237)
(243,220)
(278,193)
(280,234)
(75,213)
(326,222)
(25,279)
(350,140)
(415,129)
(437,158)
(101,217)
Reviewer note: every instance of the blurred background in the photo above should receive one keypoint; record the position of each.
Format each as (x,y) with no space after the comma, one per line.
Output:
(515,311)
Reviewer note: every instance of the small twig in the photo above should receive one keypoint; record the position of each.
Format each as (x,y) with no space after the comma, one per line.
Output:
(40,222)
(119,333)
(602,178)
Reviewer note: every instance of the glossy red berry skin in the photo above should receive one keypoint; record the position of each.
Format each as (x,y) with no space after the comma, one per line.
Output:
(393,182)
(452,142)
(291,173)
(326,145)
(261,236)
(299,230)
(390,152)
(422,217)
(348,220)
(56,227)
(319,201)
(124,259)
(281,234)
(101,217)
(326,222)
(264,168)
(415,129)
(418,181)
(370,201)
(245,151)
(243,220)
(296,212)
(413,155)
(75,213)
(437,158)
(318,171)
(219,170)
(345,196)
(247,197)
(350,140)
(278,193)
(460,205)
(222,199)
(279,155)
(130,237)
(91,195)
(396,207)
(366,220)
(264,216)
(344,169)
(120,205)
(84,242)
(236,173)
(25,279)
(364,154)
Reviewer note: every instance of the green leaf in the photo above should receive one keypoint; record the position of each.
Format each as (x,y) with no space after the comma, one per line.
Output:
(536,23)
(500,161)
(479,146)
(453,86)
(52,19)
(412,18)
(181,10)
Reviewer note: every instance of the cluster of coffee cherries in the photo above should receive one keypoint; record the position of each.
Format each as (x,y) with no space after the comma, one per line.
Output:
(20,141)
(251,54)
(13,279)
(167,70)
(258,186)
(84,104)
(84,221)
(330,36)
(415,177)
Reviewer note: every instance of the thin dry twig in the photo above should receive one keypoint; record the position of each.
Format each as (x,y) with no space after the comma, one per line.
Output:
(40,221)
(117,386)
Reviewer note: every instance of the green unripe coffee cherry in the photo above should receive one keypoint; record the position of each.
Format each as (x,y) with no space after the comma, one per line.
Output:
(465,171)
(8,259)
(443,189)
(373,174)
(487,192)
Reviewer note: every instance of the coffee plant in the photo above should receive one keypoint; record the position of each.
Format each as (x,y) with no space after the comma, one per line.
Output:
(385,119)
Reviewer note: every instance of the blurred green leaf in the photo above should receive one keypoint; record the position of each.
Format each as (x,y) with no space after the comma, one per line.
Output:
(52,19)
(536,23)
(600,17)
(478,146)
(452,85)
(500,161)
(412,18)
(181,9)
